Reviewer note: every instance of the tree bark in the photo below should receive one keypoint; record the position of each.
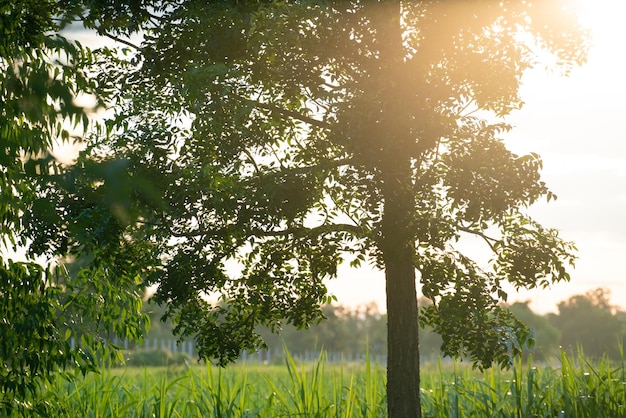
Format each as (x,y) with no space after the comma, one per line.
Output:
(403,379)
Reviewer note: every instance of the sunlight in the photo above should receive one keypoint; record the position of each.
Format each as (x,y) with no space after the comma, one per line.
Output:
(603,17)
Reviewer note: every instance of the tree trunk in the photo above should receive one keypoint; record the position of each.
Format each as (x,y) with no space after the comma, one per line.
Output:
(403,380)
(397,245)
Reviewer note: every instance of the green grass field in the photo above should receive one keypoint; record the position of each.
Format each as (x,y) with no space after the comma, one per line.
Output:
(573,387)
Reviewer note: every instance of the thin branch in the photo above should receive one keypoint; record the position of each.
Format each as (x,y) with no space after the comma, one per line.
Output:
(345,212)
(331,86)
(157,17)
(291,114)
(122,41)
(303,231)
(321,165)
(292,231)
(489,240)
(251,158)
(280,160)
(464,108)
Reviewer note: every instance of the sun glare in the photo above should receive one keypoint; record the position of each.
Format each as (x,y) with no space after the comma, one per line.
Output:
(604,18)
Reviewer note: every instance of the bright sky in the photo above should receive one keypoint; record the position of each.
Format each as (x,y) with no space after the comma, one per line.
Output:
(577,125)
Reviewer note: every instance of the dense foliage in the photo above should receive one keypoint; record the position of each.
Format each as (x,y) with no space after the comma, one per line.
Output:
(41,306)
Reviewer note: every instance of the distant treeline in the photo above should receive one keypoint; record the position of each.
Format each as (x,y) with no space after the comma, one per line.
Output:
(584,321)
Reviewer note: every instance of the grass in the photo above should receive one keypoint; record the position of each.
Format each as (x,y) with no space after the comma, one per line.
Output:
(574,387)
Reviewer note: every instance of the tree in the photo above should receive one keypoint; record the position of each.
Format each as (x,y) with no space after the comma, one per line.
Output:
(344,330)
(292,136)
(589,321)
(42,306)
(546,336)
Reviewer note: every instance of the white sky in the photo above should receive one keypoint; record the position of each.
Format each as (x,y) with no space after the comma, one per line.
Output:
(577,125)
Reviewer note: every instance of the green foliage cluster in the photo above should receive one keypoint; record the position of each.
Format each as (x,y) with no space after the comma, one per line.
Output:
(367,150)
(41,76)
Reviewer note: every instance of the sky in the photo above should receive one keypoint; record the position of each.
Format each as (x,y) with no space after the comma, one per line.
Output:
(576,124)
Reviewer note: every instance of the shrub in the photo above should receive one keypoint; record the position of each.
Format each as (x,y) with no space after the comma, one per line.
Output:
(155,357)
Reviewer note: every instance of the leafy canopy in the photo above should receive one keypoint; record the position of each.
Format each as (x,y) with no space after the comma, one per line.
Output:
(270,130)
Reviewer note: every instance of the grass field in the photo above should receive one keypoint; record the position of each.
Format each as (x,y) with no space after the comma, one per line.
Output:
(574,387)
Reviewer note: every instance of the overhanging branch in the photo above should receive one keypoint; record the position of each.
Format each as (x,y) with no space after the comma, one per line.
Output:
(292,114)
(121,40)
(489,240)
(303,231)
(255,232)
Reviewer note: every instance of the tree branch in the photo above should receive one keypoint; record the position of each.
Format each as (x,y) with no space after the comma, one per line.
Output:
(122,41)
(251,158)
(294,231)
(489,240)
(321,165)
(291,114)
(303,231)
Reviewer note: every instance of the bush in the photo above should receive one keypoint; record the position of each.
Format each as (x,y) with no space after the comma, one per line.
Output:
(155,357)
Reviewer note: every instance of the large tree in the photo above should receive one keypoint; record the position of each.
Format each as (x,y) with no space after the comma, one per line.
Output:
(289,136)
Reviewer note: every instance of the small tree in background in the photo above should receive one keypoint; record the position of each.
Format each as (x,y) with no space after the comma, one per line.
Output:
(546,335)
(589,321)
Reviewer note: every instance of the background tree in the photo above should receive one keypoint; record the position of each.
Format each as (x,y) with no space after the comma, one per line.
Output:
(547,336)
(291,136)
(43,306)
(352,332)
(591,322)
